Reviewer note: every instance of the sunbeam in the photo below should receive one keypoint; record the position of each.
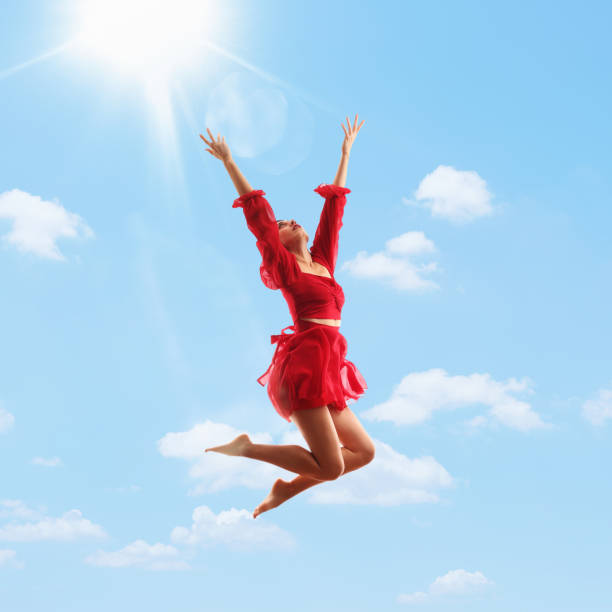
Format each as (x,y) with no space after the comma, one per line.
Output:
(153,46)
(41,58)
(268,77)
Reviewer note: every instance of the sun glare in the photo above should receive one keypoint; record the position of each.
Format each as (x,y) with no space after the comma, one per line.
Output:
(144,36)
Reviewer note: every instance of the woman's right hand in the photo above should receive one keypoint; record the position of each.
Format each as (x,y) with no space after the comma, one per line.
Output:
(218,148)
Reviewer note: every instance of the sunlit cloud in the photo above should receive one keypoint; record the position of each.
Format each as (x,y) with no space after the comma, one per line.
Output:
(457,195)
(16,509)
(236,529)
(140,554)
(213,471)
(420,394)
(598,410)
(455,582)
(395,266)
(46,462)
(391,479)
(39,224)
(70,526)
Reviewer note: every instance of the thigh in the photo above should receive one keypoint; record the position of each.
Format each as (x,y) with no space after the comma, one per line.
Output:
(351,432)
(317,427)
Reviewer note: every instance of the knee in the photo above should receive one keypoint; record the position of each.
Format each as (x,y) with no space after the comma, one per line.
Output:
(332,471)
(368,454)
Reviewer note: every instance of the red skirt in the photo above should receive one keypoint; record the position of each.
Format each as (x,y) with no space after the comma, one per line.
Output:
(309,369)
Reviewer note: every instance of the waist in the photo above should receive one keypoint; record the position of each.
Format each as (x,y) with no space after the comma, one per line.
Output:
(303,324)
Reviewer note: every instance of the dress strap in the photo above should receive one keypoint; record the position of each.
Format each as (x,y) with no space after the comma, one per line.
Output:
(279,340)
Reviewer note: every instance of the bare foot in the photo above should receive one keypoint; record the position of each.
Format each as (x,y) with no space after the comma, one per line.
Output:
(235,448)
(281,492)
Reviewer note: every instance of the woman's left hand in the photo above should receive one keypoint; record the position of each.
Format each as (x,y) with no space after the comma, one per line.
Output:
(349,136)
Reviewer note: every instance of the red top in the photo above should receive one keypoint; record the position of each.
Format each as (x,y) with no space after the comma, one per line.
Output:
(307,295)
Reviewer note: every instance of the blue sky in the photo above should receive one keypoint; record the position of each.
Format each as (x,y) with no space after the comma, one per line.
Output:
(476,262)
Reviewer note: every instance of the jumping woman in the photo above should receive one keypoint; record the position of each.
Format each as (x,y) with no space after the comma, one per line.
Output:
(309,379)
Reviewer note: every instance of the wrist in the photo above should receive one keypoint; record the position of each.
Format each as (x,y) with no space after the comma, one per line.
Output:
(346,153)
(227,161)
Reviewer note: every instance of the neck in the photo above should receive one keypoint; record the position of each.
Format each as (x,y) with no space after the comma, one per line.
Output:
(302,253)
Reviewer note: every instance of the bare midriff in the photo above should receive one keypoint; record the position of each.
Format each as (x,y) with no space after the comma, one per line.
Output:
(333,322)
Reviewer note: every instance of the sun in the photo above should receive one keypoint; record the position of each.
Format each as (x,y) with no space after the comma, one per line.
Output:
(144,37)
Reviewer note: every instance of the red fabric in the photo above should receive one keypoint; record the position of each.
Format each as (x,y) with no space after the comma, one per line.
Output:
(278,267)
(308,295)
(325,244)
(309,367)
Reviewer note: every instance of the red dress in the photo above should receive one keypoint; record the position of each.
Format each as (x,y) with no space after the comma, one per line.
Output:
(309,367)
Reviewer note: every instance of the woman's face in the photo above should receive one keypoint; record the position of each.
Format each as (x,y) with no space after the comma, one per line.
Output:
(291,233)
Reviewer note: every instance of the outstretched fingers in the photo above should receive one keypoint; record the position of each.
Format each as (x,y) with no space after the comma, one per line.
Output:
(214,143)
(352,129)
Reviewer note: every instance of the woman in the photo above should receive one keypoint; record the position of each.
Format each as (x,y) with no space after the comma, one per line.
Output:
(309,379)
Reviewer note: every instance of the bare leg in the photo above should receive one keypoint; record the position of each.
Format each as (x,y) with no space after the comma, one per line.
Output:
(283,490)
(317,427)
(351,434)
(291,457)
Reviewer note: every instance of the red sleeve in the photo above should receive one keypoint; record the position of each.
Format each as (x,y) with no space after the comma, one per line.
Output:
(278,267)
(325,243)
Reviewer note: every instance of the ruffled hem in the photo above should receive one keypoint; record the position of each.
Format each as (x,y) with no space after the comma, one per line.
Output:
(245,197)
(328,191)
(309,369)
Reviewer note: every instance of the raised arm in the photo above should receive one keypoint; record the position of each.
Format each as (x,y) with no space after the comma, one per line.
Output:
(349,138)
(219,149)
(279,267)
(325,243)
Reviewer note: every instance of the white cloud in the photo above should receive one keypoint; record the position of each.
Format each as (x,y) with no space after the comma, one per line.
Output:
(458,582)
(410,243)
(7,559)
(598,410)
(70,526)
(51,462)
(234,528)
(393,265)
(156,557)
(457,195)
(390,479)
(215,471)
(412,598)
(16,509)
(420,394)
(38,224)
(7,420)
(455,582)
